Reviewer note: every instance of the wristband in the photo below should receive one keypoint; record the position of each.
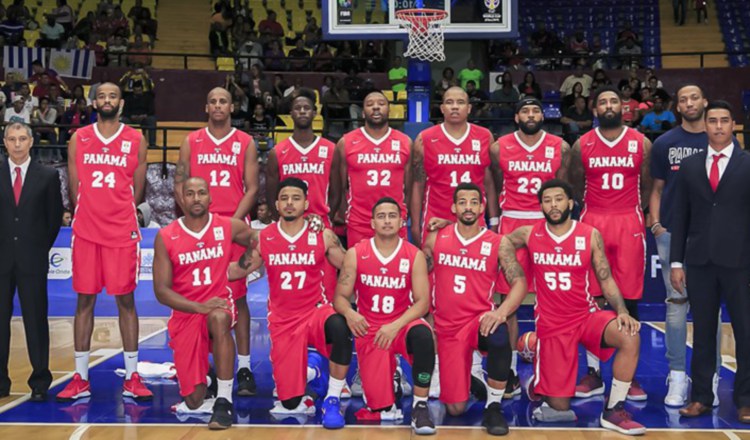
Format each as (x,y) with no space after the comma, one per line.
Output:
(654,226)
(494,221)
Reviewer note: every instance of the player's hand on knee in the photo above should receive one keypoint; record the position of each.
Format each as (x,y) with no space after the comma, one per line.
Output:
(385,336)
(214,303)
(437,223)
(677,278)
(628,324)
(357,324)
(489,322)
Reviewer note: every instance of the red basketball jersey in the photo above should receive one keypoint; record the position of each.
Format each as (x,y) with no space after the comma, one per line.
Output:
(613,171)
(449,161)
(199,259)
(562,272)
(221,163)
(311,164)
(525,168)
(105,210)
(383,284)
(376,169)
(465,273)
(294,266)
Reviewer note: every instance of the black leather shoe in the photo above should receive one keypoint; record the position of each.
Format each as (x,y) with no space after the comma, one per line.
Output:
(4,393)
(38,395)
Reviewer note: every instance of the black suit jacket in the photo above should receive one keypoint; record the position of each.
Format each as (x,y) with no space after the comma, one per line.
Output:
(28,231)
(708,227)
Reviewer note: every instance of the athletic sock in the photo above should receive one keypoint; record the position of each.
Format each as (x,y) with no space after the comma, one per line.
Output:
(618,393)
(224,389)
(243,362)
(514,362)
(494,396)
(335,386)
(592,361)
(418,399)
(131,363)
(476,359)
(82,364)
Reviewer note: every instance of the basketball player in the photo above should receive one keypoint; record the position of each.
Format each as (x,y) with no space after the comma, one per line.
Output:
(563,253)
(375,164)
(465,260)
(389,276)
(614,162)
(107,170)
(446,155)
(226,158)
(521,161)
(191,259)
(299,313)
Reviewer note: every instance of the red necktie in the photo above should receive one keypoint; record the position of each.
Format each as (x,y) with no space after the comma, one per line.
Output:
(17,184)
(713,176)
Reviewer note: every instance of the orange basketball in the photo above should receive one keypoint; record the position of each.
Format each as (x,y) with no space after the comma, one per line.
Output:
(526,346)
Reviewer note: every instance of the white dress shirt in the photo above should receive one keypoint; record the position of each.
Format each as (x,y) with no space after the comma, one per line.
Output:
(24,169)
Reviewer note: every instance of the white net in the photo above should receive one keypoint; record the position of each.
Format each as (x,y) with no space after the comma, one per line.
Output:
(425,29)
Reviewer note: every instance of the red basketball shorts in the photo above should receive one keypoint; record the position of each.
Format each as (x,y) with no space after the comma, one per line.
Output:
(508,225)
(624,238)
(556,362)
(455,350)
(239,287)
(96,267)
(289,342)
(376,366)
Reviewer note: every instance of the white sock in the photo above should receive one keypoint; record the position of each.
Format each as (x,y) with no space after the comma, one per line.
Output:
(208,381)
(243,362)
(592,361)
(82,364)
(494,396)
(312,374)
(618,393)
(335,386)
(476,359)
(418,399)
(131,363)
(514,362)
(224,389)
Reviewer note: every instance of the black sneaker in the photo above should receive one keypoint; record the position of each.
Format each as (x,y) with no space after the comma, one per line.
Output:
(397,390)
(513,386)
(223,414)
(494,420)
(246,383)
(478,388)
(213,388)
(421,421)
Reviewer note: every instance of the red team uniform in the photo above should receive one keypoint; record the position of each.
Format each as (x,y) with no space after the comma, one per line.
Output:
(612,204)
(465,272)
(106,237)
(297,303)
(221,163)
(449,161)
(313,165)
(525,168)
(383,292)
(565,311)
(375,169)
(199,272)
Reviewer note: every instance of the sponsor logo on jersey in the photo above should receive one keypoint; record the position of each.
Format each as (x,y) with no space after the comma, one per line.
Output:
(580,243)
(395,145)
(476,145)
(549,152)
(218,233)
(125,147)
(632,146)
(323,152)
(236,147)
(312,239)
(486,248)
(403,265)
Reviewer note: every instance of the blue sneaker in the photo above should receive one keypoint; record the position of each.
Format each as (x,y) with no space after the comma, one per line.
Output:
(332,418)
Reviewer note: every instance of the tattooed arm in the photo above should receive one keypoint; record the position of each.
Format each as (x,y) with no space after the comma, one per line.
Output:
(604,274)
(427,248)
(250,261)
(575,171)
(516,279)
(417,190)
(519,237)
(344,292)
(182,173)
(334,250)
(566,155)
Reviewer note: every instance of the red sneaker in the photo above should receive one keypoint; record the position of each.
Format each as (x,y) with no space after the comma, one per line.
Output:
(76,389)
(636,392)
(136,389)
(590,385)
(617,419)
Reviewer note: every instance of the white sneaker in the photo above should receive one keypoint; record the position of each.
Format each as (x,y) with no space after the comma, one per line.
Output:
(207,407)
(678,387)
(435,383)
(306,407)
(356,387)
(346,392)
(716,390)
(406,389)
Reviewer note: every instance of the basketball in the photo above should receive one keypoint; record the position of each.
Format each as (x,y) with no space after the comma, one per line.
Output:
(526,346)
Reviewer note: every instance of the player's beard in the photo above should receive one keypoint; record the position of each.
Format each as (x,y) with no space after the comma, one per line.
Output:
(613,122)
(290,218)
(376,125)
(468,222)
(529,129)
(563,217)
(698,116)
(109,115)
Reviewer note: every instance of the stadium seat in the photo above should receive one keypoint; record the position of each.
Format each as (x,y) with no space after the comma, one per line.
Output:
(389,95)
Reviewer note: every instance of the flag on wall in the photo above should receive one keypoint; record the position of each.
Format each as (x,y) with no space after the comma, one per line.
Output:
(19,59)
(73,63)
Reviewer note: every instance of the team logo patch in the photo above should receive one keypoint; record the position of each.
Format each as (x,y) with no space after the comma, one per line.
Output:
(200,244)
(403,266)
(632,146)
(236,147)
(486,248)
(395,145)
(476,145)
(323,152)
(549,152)
(125,147)
(312,239)
(218,233)
(580,243)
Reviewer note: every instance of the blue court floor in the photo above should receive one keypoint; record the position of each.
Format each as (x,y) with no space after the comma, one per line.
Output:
(106,404)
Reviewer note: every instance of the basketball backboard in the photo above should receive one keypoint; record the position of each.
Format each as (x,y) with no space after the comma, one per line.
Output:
(376,19)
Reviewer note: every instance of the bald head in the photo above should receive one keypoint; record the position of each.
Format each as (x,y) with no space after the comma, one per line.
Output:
(217,92)
(455,92)
(195,197)
(195,183)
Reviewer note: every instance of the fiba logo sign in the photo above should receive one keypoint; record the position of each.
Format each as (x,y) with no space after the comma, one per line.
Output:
(492,5)
(147,264)
(493,12)
(60,264)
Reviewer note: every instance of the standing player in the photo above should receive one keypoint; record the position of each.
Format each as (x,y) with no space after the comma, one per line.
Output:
(299,313)
(446,155)
(107,170)
(191,259)
(388,275)
(465,259)
(375,164)
(563,255)
(614,162)
(521,161)
(226,158)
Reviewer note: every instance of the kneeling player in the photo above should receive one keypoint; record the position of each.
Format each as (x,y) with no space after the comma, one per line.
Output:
(563,252)
(191,259)
(389,276)
(299,315)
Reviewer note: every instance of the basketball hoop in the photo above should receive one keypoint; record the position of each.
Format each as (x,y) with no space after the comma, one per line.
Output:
(425,28)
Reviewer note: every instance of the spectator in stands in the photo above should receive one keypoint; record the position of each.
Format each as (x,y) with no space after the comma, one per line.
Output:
(529,88)
(2,102)
(221,17)
(600,76)
(12,79)
(140,110)
(136,75)
(577,76)
(148,24)
(145,217)
(38,70)
(397,75)
(261,126)
(470,73)
(478,99)
(269,28)
(679,7)
(577,120)
(41,87)
(17,112)
(67,217)
(504,98)
(647,102)
(629,106)
(336,103)
(30,102)
(11,29)
(64,15)
(323,58)
(104,6)
(271,104)
(630,54)
(274,56)
(56,100)
(19,11)
(77,117)
(135,11)
(140,53)
(218,39)
(656,86)
(239,117)
(253,49)
(298,84)
(599,53)
(120,22)
(701,10)
(280,86)
(648,73)
(356,108)
(569,100)
(372,57)
(660,119)
(138,33)
(577,44)
(299,58)
(542,41)
(116,47)
(258,82)
(353,84)
(44,118)
(99,50)
(238,33)
(311,33)
(345,57)
(627,33)
(85,27)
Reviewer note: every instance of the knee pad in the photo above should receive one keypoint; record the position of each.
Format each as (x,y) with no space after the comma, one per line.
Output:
(500,338)
(340,338)
(421,346)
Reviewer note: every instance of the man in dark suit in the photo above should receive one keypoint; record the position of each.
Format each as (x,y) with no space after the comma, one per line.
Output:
(711,238)
(30,217)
